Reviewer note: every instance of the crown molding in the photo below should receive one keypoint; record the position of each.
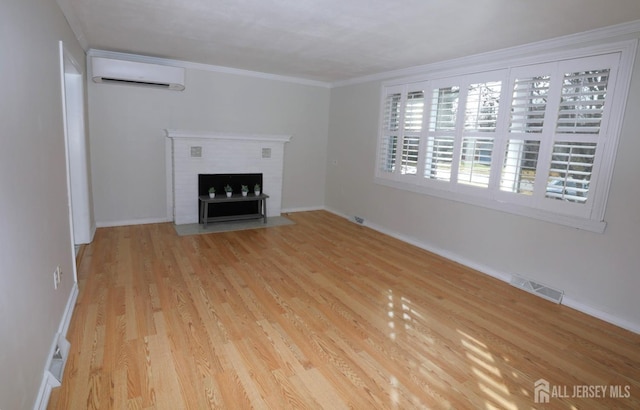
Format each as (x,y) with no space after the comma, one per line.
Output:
(583,39)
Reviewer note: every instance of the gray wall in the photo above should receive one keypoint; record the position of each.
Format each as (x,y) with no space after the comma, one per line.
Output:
(600,273)
(34,233)
(128,141)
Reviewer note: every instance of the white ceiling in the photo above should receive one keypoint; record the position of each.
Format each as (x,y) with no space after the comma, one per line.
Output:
(330,40)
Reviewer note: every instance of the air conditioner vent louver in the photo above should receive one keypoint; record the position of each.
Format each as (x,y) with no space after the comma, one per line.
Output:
(546,292)
(117,80)
(108,70)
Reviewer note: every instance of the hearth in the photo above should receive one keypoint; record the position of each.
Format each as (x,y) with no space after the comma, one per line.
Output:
(219,181)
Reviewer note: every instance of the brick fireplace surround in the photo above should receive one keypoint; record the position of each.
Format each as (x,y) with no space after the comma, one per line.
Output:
(189,153)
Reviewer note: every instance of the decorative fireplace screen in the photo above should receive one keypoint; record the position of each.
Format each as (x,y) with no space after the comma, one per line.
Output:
(219,181)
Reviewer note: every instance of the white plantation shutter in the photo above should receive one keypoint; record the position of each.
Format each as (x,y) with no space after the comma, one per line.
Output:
(409,159)
(528,104)
(483,101)
(529,100)
(582,102)
(480,123)
(442,127)
(536,139)
(401,129)
(570,172)
(439,158)
(578,133)
(475,161)
(414,113)
(444,109)
(520,166)
(390,131)
(388,151)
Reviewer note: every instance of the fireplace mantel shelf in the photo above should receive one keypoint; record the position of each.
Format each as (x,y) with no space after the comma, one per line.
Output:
(174,134)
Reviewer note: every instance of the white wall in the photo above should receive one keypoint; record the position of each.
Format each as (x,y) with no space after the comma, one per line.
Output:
(600,273)
(128,141)
(34,231)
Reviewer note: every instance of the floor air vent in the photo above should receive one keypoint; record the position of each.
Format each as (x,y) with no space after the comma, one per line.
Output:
(59,359)
(543,291)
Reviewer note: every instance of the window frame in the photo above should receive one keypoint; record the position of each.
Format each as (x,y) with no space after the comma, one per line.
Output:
(620,55)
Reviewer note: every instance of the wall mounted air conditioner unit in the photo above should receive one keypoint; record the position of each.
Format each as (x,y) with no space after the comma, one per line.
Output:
(108,70)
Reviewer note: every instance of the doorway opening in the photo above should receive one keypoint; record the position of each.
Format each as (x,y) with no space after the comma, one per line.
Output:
(77,153)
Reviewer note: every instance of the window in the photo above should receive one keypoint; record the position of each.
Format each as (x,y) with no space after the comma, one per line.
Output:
(412,129)
(442,126)
(526,123)
(390,132)
(532,139)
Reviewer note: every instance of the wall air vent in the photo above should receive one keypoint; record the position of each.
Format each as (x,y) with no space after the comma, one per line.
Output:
(109,70)
(546,292)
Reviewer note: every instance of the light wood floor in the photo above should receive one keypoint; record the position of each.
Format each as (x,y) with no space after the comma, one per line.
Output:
(321,314)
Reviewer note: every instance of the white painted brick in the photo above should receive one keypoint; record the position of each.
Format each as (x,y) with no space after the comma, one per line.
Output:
(223,155)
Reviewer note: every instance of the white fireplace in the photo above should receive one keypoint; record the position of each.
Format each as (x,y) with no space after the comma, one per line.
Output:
(190,153)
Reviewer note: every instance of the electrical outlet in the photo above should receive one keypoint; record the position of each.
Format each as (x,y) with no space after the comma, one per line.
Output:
(57,277)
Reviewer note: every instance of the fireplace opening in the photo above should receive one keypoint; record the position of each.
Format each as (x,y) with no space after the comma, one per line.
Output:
(219,181)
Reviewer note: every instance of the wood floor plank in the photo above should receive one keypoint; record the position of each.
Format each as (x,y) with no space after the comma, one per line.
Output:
(324,313)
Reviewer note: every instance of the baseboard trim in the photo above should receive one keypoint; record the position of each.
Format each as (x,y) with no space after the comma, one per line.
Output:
(609,318)
(566,301)
(48,381)
(68,310)
(302,209)
(142,221)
